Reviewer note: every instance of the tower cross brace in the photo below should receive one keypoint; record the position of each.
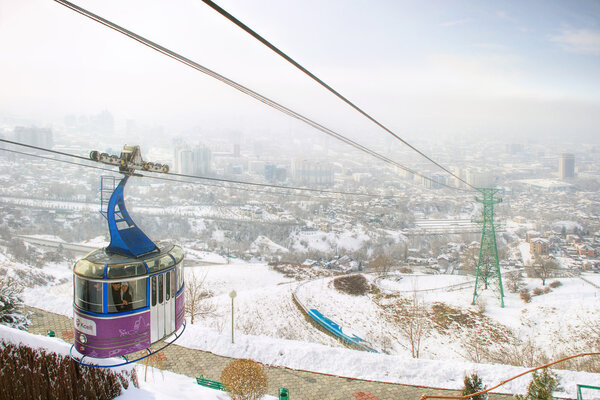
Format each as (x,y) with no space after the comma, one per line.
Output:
(488,265)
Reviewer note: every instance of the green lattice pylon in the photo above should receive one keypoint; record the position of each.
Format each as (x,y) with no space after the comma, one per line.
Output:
(488,265)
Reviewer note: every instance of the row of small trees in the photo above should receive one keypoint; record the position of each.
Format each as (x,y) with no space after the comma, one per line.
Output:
(543,383)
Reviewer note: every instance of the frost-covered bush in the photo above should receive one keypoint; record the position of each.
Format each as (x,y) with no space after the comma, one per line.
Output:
(11,304)
(27,373)
(244,380)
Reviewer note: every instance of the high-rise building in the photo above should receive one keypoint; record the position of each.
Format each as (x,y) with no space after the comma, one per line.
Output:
(312,172)
(188,161)
(202,159)
(566,166)
(435,181)
(273,173)
(185,163)
(41,137)
(480,178)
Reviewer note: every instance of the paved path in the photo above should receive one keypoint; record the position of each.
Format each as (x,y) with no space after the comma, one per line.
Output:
(302,385)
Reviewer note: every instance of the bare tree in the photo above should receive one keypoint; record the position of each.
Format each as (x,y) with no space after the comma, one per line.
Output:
(543,267)
(469,258)
(381,265)
(196,295)
(514,281)
(414,325)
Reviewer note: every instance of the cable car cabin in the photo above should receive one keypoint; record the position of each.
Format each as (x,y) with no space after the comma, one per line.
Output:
(122,304)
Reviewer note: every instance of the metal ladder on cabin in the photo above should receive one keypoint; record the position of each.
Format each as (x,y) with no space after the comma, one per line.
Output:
(107,187)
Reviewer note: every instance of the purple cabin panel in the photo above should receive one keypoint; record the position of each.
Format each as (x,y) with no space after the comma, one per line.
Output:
(179,310)
(111,337)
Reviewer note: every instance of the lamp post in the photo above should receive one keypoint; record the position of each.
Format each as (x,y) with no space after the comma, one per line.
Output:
(232,294)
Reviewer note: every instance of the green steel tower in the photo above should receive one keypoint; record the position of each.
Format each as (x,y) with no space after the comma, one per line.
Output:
(488,266)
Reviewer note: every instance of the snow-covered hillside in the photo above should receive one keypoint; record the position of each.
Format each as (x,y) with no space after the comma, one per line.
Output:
(270,328)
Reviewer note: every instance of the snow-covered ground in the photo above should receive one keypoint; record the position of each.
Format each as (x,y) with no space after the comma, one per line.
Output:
(270,329)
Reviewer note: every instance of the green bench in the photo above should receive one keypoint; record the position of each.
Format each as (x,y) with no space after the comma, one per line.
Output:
(579,387)
(208,383)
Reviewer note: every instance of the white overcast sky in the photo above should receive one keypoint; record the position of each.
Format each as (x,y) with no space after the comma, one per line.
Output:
(438,68)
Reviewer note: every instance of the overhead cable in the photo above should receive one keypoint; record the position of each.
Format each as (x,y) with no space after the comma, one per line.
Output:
(264,41)
(243,89)
(161,176)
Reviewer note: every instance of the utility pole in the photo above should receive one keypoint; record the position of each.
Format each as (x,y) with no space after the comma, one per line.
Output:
(488,265)
(232,294)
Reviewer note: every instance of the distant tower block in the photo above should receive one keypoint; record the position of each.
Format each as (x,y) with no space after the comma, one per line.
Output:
(566,166)
(488,266)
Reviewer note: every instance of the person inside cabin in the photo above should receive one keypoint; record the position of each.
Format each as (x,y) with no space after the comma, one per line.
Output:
(126,297)
(121,296)
(115,289)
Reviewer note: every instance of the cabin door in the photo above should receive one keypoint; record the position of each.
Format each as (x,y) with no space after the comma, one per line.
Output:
(162,307)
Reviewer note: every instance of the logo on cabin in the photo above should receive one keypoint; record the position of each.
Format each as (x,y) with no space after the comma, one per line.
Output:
(85,325)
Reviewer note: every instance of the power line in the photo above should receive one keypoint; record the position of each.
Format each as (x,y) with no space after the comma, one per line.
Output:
(326,86)
(161,177)
(242,89)
(146,176)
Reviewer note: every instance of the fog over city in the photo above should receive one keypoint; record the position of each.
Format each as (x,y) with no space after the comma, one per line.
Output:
(436,70)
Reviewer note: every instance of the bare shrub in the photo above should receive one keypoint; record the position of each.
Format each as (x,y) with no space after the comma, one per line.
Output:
(476,345)
(481,304)
(555,284)
(547,290)
(525,295)
(244,380)
(415,326)
(356,284)
(156,361)
(585,338)
(34,373)
(520,352)
(195,298)
(538,291)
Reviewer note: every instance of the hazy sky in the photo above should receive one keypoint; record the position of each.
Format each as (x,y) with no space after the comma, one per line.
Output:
(511,68)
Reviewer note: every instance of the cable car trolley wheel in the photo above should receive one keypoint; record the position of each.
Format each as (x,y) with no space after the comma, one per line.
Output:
(128,161)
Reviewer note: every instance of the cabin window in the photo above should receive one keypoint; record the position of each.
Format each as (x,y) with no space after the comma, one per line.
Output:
(177,253)
(160,289)
(168,285)
(173,283)
(153,265)
(126,270)
(179,276)
(88,295)
(126,295)
(89,269)
(166,261)
(153,291)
